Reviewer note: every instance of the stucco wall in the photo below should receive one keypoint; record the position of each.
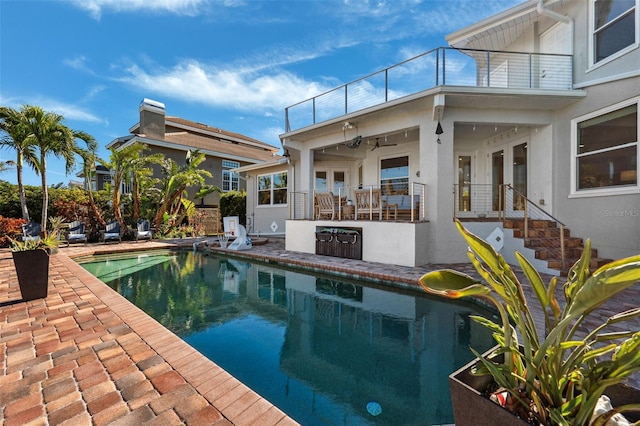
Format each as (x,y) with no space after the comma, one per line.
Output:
(611,221)
(262,217)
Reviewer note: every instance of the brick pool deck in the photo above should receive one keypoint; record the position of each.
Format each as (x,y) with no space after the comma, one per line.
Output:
(85,355)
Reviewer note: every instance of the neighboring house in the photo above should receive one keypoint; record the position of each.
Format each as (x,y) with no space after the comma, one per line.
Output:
(100,178)
(174,136)
(530,113)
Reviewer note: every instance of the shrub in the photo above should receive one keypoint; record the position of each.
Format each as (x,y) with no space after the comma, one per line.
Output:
(234,203)
(10,229)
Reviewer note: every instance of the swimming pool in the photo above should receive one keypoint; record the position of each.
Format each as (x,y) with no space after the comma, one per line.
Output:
(325,350)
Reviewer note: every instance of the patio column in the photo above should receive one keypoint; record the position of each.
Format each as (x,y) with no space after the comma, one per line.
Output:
(306,179)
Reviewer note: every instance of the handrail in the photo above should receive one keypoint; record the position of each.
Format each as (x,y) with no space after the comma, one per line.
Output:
(504,202)
(527,205)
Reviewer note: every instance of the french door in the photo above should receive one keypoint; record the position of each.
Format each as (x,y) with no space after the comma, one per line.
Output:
(331,180)
(508,165)
(464,179)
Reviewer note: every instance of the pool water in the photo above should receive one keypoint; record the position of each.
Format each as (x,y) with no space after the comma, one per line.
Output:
(325,350)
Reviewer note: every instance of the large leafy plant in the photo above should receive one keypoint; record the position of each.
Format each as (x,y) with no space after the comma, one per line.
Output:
(559,378)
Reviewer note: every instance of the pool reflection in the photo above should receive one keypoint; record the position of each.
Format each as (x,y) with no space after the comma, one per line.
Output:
(322,349)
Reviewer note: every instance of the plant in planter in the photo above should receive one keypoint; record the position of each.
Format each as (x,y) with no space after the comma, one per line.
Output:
(31,260)
(557,379)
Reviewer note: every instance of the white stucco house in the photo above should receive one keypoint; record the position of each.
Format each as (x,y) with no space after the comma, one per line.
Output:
(531,113)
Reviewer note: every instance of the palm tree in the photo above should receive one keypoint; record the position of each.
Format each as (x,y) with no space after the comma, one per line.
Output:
(13,124)
(141,178)
(177,179)
(128,164)
(89,159)
(49,135)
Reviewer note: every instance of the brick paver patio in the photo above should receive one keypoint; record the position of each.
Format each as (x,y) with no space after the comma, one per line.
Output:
(85,355)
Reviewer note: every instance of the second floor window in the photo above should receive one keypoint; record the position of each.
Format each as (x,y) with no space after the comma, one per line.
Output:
(230,180)
(614,27)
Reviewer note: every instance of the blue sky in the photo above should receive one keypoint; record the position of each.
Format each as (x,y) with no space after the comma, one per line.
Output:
(233,64)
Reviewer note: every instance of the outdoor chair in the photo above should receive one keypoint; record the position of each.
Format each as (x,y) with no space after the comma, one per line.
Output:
(144,230)
(112,232)
(76,233)
(31,231)
(325,205)
(368,202)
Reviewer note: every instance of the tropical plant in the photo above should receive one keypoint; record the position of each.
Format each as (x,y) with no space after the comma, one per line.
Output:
(13,123)
(48,242)
(89,159)
(176,181)
(47,133)
(561,375)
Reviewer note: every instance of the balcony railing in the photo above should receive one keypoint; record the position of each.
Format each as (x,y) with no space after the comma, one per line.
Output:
(437,67)
(407,206)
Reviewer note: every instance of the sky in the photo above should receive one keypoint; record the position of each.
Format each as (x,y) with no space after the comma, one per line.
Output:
(232,64)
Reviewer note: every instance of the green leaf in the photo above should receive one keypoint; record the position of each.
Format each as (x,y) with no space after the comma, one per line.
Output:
(534,278)
(483,249)
(452,284)
(604,283)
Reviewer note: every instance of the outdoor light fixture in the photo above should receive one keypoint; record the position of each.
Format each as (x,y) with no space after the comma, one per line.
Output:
(439,131)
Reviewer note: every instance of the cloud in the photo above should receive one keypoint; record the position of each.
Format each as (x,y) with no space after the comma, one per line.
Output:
(178,7)
(229,88)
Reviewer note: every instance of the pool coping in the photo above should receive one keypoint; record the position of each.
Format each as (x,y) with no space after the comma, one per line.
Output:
(229,400)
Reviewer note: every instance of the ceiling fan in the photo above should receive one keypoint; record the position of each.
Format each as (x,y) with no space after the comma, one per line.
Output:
(377,145)
(355,142)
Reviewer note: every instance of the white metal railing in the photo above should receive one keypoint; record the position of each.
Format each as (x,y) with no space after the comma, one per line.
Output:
(505,202)
(405,204)
(438,67)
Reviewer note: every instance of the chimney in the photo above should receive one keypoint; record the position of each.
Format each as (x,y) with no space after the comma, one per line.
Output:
(152,118)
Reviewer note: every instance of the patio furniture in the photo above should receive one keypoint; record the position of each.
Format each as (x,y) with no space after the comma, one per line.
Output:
(325,205)
(31,231)
(112,232)
(368,202)
(76,233)
(144,230)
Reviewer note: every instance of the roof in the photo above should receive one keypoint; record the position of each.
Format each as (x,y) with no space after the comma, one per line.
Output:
(224,147)
(186,134)
(499,31)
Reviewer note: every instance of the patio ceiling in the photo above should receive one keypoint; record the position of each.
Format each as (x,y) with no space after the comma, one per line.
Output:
(367,144)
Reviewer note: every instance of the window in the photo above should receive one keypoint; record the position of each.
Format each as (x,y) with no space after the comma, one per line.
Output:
(230,180)
(614,27)
(394,176)
(607,150)
(272,189)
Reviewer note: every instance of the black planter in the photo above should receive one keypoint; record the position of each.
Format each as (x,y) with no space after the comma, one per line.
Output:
(470,407)
(32,268)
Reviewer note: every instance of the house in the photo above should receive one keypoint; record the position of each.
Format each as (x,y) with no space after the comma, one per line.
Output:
(529,114)
(174,136)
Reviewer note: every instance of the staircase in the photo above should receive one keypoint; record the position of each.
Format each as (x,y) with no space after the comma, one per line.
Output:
(544,239)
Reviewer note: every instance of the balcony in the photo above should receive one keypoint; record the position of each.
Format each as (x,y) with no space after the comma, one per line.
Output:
(444,66)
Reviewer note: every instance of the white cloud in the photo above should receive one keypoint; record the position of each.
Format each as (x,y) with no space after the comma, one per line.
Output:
(68,111)
(179,7)
(224,88)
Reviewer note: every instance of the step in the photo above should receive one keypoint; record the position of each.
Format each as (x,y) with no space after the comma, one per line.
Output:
(570,242)
(512,223)
(595,263)
(555,253)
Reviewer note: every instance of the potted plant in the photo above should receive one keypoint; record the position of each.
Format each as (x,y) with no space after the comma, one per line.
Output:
(554,379)
(31,260)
